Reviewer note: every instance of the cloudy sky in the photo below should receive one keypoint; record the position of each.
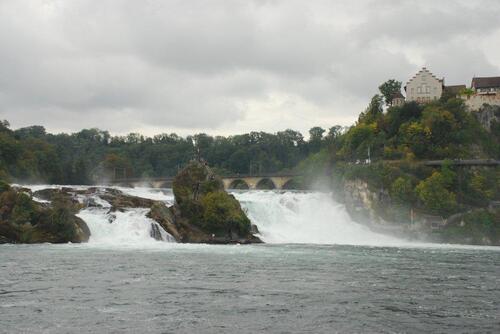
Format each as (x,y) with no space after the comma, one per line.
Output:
(226,67)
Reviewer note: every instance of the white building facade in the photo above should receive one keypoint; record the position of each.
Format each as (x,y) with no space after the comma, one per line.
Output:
(424,87)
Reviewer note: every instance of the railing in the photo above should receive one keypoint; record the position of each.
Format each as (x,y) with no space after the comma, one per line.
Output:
(459,162)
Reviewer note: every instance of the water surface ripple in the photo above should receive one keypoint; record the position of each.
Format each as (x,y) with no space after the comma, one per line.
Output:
(246,289)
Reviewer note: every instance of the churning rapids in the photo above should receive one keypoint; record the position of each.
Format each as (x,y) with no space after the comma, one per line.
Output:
(319,272)
(281,217)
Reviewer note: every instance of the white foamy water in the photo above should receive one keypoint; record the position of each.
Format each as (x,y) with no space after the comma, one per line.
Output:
(313,218)
(281,217)
(131,227)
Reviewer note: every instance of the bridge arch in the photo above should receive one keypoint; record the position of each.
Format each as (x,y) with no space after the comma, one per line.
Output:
(239,184)
(291,184)
(265,184)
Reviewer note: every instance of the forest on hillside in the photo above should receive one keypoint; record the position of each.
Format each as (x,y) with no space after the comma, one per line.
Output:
(387,149)
(31,154)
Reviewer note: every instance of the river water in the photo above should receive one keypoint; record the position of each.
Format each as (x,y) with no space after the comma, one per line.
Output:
(319,273)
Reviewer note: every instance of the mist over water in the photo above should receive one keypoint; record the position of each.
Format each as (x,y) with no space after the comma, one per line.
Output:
(294,217)
(282,217)
(306,217)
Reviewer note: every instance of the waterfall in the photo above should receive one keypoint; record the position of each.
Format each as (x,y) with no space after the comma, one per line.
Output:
(281,217)
(306,217)
(122,228)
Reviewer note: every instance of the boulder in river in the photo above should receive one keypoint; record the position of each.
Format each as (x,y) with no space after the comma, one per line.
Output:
(23,220)
(204,211)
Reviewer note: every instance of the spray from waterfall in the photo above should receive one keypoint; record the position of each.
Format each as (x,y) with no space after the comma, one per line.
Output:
(307,217)
(281,217)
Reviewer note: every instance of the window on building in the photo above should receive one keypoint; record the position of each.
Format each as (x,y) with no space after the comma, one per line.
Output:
(419,90)
(427,89)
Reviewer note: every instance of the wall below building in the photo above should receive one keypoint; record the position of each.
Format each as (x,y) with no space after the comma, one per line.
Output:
(475,102)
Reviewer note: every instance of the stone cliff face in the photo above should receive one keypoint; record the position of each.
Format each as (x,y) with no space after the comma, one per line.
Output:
(488,114)
(375,209)
(362,202)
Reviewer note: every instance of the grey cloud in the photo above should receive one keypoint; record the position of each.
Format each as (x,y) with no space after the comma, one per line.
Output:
(428,21)
(126,65)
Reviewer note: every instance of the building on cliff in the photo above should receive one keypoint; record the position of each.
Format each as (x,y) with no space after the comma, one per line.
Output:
(486,85)
(398,99)
(486,90)
(425,87)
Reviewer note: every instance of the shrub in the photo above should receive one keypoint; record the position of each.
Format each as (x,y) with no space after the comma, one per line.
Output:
(4,186)
(222,212)
(23,210)
(402,190)
(434,194)
(477,227)
(61,220)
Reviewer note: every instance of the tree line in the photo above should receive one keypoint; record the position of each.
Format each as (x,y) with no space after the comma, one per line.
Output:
(30,154)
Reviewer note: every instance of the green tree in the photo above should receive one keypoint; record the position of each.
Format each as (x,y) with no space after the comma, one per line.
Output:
(359,139)
(315,138)
(388,89)
(373,112)
(415,136)
(434,194)
(402,190)
(222,213)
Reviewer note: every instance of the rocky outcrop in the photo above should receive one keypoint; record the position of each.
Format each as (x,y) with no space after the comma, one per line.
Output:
(204,212)
(363,203)
(487,115)
(359,200)
(164,216)
(23,220)
(120,201)
(375,209)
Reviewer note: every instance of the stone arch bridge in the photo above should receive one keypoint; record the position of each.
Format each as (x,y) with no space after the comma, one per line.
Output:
(251,182)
